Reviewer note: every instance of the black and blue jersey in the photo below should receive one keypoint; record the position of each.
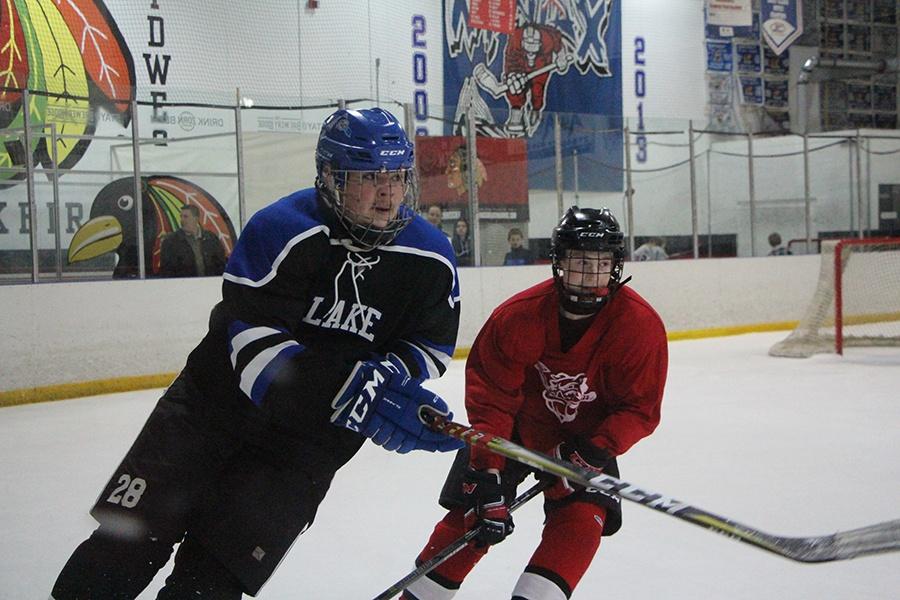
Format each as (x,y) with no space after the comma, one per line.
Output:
(301,304)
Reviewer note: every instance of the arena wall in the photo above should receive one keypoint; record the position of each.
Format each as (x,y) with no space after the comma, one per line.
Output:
(69,339)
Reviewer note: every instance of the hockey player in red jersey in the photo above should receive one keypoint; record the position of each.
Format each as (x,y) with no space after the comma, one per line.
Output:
(574,367)
(528,53)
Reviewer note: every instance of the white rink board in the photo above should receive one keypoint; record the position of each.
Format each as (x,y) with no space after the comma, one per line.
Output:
(102,330)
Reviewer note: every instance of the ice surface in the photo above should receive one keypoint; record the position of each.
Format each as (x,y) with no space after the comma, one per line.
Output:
(789,446)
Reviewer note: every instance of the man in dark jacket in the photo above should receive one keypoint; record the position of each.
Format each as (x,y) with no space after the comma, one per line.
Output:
(191,251)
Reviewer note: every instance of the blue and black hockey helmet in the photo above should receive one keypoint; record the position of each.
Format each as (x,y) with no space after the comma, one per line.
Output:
(358,142)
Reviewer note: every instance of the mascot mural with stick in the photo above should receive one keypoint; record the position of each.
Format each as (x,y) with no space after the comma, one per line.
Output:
(533,53)
(513,72)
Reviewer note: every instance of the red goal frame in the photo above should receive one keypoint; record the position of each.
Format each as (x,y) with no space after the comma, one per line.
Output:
(839,284)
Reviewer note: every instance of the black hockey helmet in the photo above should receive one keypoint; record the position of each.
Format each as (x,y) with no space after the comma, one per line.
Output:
(587,229)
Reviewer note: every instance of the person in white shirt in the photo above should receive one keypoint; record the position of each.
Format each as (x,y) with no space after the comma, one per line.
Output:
(653,249)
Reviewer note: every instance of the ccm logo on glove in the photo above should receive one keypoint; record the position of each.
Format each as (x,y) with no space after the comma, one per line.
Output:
(383,404)
(361,406)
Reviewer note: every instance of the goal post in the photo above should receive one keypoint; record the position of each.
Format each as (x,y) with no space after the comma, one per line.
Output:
(856,302)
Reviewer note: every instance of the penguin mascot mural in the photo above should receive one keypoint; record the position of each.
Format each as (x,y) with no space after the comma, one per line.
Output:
(113,223)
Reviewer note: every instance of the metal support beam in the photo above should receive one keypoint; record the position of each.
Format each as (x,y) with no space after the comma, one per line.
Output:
(695,233)
(752,190)
(137,189)
(471,172)
(557,147)
(29,185)
(629,193)
(57,242)
(239,155)
(807,197)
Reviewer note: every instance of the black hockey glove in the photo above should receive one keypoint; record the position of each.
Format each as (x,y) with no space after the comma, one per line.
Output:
(486,507)
(383,404)
(582,453)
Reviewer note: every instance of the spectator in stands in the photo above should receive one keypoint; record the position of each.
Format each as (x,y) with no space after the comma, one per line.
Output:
(518,254)
(191,251)
(777,248)
(462,245)
(652,249)
(435,216)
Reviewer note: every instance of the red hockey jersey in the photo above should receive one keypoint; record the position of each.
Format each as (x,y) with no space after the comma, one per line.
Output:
(608,387)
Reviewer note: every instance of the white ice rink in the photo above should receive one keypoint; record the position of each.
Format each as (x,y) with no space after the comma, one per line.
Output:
(789,446)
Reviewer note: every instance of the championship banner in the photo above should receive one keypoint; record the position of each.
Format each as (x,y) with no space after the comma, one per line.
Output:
(496,15)
(726,19)
(748,58)
(562,56)
(501,172)
(718,56)
(776,93)
(752,90)
(782,23)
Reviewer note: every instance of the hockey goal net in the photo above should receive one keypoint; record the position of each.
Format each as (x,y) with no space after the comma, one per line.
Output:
(857,300)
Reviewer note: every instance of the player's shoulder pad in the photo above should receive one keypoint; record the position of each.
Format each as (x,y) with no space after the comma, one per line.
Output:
(520,322)
(640,311)
(421,238)
(422,235)
(523,307)
(270,234)
(532,296)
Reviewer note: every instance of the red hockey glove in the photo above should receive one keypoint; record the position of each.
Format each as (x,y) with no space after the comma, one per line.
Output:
(585,455)
(486,507)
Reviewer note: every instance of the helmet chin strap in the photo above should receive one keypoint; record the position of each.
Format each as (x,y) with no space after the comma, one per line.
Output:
(581,306)
(591,302)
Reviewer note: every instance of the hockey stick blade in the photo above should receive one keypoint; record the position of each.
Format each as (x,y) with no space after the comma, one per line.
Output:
(454,547)
(843,545)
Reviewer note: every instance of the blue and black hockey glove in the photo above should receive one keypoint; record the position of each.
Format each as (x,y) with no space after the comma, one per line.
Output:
(383,404)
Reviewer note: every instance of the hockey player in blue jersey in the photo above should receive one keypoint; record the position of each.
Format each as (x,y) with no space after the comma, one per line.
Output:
(337,302)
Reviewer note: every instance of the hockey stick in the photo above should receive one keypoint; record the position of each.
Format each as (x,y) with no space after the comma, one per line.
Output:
(874,539)
(454,547)
(488,81)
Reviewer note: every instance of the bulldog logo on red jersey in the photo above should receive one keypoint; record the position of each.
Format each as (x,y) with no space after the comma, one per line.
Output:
(563,393)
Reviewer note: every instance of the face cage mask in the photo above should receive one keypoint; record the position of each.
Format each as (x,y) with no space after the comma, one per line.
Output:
(361,229)
(586,301)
